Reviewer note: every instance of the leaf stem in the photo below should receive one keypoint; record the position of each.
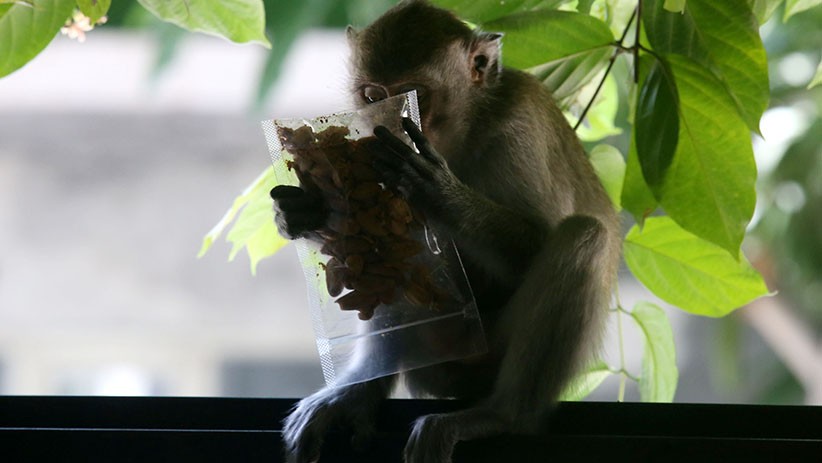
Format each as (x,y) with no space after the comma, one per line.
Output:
(627,374)
(638,14)
(599,87)
(628,27)
(622,372)
(619,47)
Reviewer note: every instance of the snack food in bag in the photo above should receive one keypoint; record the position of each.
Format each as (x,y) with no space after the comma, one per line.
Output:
(386,289)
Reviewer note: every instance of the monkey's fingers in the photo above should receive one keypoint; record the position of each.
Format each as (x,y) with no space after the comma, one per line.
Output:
(286,191)
(396,146)
(300,225)
(389,171)
(399,173)
(305,205)
(421,141)
(298,212)
(405,160)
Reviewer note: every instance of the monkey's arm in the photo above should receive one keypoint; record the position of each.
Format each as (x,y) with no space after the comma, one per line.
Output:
(502,238)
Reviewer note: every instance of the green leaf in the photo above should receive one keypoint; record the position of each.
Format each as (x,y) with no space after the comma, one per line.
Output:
(688,272)
(710,186)
(254,228)
(674,6)
(636,195)
(543,36)
(479,11)
(257,212)
(264,243)
(817,78)
(793,7)
(599,121)
(565,77)
(609,166)
(94,9)
(764,9)
(722,36)
(586,383)
(240,21)
(25,30)
(659,372)
(656,124)
(584,6)
(615,13)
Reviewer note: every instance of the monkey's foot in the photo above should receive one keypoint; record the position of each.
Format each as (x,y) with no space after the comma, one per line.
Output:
(433,437)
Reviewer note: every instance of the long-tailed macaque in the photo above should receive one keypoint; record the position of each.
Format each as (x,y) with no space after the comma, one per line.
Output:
(500,169)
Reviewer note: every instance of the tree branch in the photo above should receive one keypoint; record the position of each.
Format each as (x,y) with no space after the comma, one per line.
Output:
(619,48)
(791,340)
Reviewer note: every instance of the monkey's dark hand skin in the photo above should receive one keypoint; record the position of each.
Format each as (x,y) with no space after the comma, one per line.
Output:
(424,176)
(298,213)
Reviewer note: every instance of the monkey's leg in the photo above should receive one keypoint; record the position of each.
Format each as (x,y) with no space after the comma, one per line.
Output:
(551,324)
(352,407)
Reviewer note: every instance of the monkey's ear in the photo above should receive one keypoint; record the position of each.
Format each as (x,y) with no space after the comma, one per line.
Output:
(485,57)
(351,34)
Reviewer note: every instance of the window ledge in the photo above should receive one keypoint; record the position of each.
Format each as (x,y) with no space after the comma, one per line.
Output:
(150,429)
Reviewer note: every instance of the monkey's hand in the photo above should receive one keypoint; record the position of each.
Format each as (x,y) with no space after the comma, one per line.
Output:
(298,213)
(350,408)
(423,176)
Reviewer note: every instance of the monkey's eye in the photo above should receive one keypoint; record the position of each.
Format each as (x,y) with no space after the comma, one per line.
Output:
(372,93)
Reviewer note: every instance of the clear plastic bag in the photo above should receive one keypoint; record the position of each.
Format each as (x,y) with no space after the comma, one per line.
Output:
(387,290)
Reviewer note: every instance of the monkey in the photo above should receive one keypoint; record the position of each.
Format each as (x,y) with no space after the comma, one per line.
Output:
(498,167)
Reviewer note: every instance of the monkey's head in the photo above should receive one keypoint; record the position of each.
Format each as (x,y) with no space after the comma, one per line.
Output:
(416,46)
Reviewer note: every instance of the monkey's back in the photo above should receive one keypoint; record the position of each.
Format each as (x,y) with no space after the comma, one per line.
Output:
(526,156)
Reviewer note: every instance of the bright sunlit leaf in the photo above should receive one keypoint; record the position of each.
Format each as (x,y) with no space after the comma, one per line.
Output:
(26,29)
(481,11)
(94,9)
(723,37)
(547,35)
(709,188)
(659,371)
(763,9)
(567,76)
(793,7)
(599,121)
(584,384)
(636,197)
(265,242)
(254,228)
(609,166)
(674,6)
(240,21)
(688,272)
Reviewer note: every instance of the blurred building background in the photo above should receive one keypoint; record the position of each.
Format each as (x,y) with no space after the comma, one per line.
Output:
(117,155)
(109,178)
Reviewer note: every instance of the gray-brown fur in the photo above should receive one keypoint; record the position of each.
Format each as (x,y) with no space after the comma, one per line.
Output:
(536,232)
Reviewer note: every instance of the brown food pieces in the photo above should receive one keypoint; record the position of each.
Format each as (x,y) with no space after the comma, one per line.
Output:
(368,232)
